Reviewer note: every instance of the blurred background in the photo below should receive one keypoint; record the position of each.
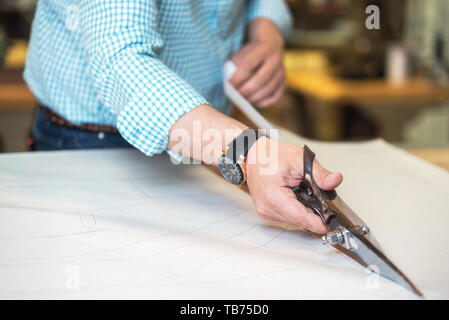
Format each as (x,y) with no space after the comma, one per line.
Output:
(346,82)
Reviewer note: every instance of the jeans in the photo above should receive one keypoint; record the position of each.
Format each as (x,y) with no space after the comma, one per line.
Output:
(50,136)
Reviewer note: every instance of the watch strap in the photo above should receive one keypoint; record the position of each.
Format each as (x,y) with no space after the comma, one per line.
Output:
(240,146)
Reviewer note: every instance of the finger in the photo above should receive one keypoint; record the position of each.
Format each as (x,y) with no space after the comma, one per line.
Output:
(273,99)
(247,60)
(296,214)
(261,77)
(269,89)
(266,212)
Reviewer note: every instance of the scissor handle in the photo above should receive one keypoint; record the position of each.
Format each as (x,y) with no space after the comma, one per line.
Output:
(308,157)
(307,191)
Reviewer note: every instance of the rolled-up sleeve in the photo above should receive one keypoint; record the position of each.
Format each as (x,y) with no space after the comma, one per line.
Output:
(275,10)
(122,45)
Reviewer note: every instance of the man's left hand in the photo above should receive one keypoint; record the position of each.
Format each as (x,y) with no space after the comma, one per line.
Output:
(260,75)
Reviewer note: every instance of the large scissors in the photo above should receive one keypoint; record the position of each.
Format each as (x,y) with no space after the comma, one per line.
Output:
(345,230)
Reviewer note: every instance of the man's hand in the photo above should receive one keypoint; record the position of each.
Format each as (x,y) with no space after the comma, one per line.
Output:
(272,195)
(260,75)
(271,191)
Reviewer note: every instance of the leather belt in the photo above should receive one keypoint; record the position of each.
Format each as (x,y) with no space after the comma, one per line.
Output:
(55,118)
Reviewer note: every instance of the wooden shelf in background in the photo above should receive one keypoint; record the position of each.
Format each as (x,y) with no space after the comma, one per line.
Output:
(310,75)
(436,156)
(14,93)
(321,83)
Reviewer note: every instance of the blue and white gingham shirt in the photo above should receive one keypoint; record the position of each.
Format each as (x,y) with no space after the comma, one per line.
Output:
(138,65)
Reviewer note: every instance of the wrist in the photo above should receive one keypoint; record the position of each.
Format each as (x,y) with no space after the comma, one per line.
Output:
(234,160)
(264,30)
(203,133)
(253,159)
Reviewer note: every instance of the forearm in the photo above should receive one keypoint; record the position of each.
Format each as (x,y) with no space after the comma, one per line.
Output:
(203,133)
(121,41)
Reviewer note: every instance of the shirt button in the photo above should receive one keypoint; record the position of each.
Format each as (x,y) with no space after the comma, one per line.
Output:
(100,135)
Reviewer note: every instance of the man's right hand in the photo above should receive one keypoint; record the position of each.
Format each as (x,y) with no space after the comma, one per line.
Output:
(272,194)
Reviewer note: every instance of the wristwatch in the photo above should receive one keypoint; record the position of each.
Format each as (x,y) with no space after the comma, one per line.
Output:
(231,163)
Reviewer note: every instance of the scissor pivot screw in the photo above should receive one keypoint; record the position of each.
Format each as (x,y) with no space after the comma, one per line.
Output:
(333,238)
(362,230)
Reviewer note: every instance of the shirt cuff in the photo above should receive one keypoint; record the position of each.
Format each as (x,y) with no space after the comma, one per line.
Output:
(275,10)
(161,99)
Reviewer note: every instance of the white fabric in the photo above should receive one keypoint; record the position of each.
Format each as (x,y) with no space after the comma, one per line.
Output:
(115,224)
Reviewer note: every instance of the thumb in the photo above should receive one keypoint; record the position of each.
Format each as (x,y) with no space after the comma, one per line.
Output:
(325,179)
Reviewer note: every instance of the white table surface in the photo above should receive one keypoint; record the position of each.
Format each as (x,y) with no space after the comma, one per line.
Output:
(115,224)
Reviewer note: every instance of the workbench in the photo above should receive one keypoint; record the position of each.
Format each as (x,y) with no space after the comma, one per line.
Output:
(14,93)
(326,94)
(116,224)
(436,156)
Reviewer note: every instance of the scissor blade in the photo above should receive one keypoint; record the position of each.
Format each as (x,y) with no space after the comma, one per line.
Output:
(364,248)
(373,259)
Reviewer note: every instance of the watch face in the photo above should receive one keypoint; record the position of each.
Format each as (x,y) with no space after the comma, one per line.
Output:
(230,170)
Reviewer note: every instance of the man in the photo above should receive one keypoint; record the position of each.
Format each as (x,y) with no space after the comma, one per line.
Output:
(146,70)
